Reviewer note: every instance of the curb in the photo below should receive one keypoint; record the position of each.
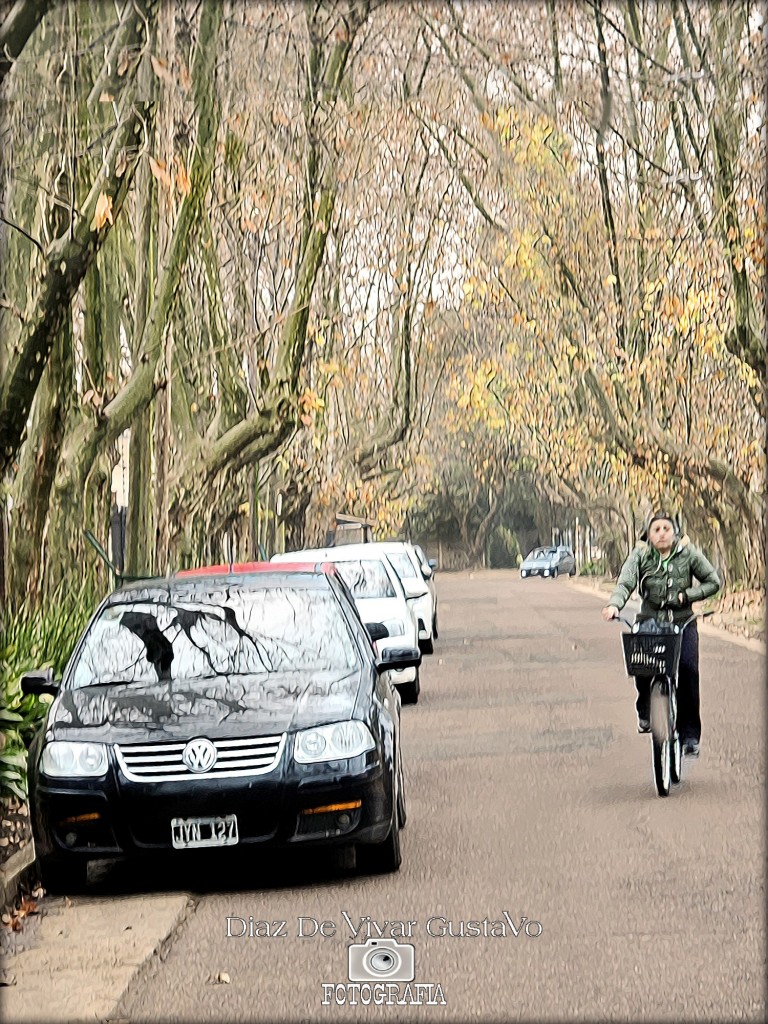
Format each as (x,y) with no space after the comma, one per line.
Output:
(86,953)
(14,873)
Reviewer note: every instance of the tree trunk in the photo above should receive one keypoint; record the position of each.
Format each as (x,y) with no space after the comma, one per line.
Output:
(163,429)
(37,468)
(65,265)
(119,414)
(139,518)
(3,558)
(17,27)
(264,432)
(487,523)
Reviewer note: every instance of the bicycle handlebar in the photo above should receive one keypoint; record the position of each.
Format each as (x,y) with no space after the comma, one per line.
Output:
(694,615)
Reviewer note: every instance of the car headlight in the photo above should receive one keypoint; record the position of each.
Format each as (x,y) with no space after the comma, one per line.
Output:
(332,742)
(395,627)
(65,760)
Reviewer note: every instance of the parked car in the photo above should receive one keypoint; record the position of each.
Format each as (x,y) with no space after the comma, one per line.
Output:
(550,561)
(428,568)
(416,576)
(379,597)
(227,707)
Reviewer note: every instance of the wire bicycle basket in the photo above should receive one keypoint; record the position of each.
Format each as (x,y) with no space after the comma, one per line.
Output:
(652,654)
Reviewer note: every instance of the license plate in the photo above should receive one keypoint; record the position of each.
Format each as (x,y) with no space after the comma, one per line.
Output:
(190,833)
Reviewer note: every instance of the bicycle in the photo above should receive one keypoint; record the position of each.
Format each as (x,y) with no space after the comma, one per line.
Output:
(652,650)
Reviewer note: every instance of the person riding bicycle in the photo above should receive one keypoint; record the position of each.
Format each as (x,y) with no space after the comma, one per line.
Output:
(662,569)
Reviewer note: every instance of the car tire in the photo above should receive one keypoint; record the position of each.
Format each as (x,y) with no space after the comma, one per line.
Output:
(346,858)
(63,875)
(572,572)
(402,812)
(381,858)
(434,627)
(385,857)
(409,692)
(555,574)
(426,646)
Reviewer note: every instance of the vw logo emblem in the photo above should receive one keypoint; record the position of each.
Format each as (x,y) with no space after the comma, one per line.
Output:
(199,755)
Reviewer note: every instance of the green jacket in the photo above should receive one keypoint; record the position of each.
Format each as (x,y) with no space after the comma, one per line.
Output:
(659,581)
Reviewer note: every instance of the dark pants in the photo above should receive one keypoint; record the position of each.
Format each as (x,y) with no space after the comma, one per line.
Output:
(688,720)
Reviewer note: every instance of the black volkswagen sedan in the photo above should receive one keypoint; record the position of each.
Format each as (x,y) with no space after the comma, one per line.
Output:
(224,707)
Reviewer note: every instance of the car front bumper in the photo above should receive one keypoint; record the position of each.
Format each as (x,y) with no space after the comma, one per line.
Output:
(424,612)
(113,816)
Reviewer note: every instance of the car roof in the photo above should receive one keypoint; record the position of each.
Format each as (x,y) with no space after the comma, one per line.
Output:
(390,546)
(261,575)
(246,568)
(342,553)
(347,553)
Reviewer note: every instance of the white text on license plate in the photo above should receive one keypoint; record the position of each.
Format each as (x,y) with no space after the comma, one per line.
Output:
(189,833)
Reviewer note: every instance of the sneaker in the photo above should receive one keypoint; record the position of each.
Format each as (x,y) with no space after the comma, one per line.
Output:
(691,748)
(643,725)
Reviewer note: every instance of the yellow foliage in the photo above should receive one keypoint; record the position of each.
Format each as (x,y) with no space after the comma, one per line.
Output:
(160,171)
(103,213)
(183,183)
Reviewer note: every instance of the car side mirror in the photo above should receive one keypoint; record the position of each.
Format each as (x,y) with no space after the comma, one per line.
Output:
(426,571)
(432,563)
(39,682)
(414,588)
(377,631)
(398,658)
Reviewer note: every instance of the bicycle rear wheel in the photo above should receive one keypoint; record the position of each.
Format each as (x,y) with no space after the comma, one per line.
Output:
(661,736)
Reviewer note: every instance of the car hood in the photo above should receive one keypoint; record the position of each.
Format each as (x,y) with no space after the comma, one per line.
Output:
(379,609)
(531,562)
(423,607)
(221,707)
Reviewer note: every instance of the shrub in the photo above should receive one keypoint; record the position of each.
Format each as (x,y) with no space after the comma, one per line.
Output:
(31,639)
(503,550)
(592,569)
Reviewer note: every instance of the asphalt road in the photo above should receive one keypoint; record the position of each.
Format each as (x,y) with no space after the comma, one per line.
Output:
(532,815)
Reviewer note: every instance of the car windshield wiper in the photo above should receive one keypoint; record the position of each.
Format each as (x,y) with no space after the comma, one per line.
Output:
(117,682)
(251,673)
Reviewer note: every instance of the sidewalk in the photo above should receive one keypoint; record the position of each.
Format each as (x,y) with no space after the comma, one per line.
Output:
(107,941)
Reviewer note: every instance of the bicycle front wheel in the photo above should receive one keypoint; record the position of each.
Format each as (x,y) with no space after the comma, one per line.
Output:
(661,736)
(676,765)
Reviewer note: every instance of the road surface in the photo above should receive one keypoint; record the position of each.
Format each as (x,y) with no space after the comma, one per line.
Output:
(542,877)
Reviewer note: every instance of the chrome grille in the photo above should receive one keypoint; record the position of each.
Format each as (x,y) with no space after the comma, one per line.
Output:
(162,762)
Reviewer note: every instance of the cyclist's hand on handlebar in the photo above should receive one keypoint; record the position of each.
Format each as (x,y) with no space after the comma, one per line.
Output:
(610,612)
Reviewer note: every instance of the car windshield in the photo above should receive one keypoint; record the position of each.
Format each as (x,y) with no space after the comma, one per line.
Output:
(366,578)
(244,632)
(402,565)
(543,553)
